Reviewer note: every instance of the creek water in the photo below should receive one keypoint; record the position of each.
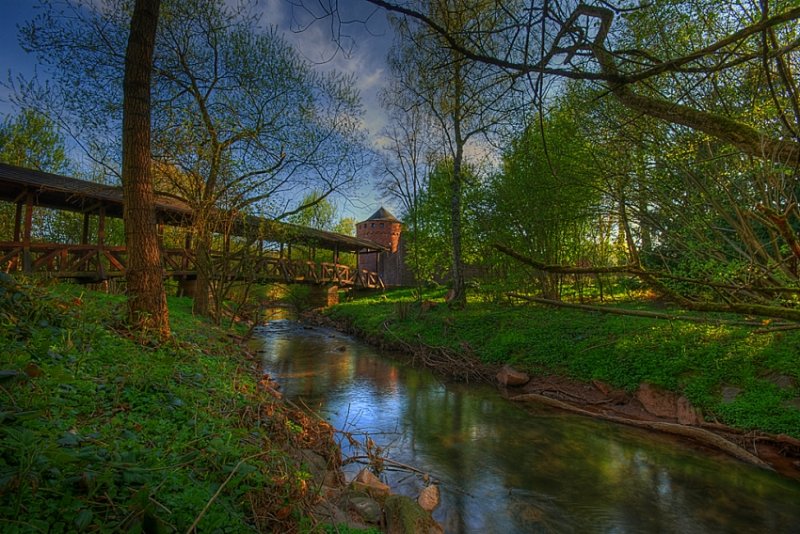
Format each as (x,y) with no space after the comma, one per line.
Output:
(506,467)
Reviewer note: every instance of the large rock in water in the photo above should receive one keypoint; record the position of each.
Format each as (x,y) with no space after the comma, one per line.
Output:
(405,516)
(508,376)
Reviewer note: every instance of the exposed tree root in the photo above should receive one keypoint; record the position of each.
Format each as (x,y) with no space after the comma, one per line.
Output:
(461,366)
(699,434)
(780,453)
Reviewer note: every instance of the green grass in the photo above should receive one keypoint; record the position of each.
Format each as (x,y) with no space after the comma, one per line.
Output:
(101,432)
(694,359)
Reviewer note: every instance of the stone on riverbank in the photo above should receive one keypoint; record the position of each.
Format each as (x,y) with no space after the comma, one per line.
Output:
(508,376)
(666,404)
(366,507)
(405,516)
(429,498)
(367,482)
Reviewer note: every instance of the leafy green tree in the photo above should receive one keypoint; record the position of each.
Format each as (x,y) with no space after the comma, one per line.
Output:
(241,122)
(346,226)
(459,96)
(547,197)
(431,239)
(31,140)
(318,212)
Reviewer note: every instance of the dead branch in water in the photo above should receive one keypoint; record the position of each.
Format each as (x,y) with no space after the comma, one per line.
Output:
(701,435)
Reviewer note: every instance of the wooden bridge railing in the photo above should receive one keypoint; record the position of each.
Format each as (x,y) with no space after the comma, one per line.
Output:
(94,262)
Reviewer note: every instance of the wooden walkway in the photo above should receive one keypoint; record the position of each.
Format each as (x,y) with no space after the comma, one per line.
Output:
(94,263)
(28,188)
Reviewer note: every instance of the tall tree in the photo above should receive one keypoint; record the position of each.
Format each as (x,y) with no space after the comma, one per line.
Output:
(462,98)
(406,161)
(248,123)
(147,300)
(547,196)
(242,124)
(431,239)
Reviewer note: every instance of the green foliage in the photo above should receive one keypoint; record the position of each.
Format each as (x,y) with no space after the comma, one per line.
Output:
(298,296)
(317,212)
(100,433)
(694,359)
(31,140)
(431,239)
(546,200)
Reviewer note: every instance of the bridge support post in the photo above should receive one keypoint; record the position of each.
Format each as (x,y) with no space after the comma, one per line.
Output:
(187,287)
(322,296)
(27,260)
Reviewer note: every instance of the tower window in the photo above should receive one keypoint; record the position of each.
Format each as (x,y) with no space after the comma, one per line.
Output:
(381,225)
(372,225)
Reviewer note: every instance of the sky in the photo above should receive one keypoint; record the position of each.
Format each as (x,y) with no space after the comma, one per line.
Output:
(366,40)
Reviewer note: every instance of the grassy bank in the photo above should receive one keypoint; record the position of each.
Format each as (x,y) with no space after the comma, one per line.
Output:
(104,432)
(698,360)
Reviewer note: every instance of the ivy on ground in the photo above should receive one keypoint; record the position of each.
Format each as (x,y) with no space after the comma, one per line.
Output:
(105,431)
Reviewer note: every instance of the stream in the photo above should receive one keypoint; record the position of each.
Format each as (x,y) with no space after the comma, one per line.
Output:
(507,467)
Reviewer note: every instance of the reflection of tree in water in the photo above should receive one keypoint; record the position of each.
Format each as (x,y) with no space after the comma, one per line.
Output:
(508,469)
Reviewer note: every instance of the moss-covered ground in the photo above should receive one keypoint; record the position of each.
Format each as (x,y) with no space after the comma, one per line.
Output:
(106,432)
(696,359)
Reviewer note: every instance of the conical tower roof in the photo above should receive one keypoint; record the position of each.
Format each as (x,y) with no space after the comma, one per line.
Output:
(383,215)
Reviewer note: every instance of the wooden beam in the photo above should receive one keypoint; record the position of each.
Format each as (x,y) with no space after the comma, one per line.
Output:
(92,208)
(27,264)
(85,232)
(18,222)
(101,227)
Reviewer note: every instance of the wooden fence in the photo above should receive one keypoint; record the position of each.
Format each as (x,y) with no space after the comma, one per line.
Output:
(100,262)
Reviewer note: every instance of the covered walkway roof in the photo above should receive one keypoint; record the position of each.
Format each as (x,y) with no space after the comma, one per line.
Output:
(70,194)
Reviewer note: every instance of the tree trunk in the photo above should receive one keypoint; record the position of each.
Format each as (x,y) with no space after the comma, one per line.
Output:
(202,301)
(458,298)
(147,301)
(633,254)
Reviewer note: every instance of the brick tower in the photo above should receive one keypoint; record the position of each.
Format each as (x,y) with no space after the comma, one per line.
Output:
(383,228)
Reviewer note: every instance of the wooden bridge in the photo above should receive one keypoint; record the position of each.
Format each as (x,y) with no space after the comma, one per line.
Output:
(92,262)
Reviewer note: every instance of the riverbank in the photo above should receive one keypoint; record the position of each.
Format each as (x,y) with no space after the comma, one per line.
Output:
(738,384)
(106,431)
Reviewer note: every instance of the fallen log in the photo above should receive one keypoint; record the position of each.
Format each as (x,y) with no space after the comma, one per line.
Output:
(644,313)
(698,434)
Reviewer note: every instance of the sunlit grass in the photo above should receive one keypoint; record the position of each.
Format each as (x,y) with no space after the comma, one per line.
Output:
(694,359)
(104,430)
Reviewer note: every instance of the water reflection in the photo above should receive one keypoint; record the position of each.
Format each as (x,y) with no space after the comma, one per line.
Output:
(520,468)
